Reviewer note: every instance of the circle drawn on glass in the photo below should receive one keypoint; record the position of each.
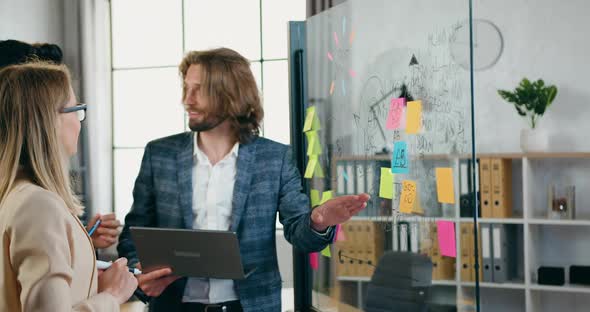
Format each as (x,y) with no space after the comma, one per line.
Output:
(488,44)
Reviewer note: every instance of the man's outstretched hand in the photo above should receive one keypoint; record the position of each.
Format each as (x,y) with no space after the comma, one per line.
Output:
(337,210)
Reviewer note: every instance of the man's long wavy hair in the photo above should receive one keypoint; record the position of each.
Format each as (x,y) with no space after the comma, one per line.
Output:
(231,89)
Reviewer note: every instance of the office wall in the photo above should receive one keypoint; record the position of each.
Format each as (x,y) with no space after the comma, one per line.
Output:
(32,20)
(542,39)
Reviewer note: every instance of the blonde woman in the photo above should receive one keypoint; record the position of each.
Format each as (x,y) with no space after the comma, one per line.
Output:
(48,261)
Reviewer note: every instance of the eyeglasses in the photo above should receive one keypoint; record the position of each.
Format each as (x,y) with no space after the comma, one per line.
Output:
(80,110)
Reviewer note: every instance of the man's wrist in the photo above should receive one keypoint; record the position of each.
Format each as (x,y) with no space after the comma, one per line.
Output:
(317,226)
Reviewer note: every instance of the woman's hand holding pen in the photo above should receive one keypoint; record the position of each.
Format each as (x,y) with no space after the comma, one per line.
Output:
(118,281)
(155,282)
(106,233)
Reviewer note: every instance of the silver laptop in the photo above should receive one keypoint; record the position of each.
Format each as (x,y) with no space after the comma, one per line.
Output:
(192,253)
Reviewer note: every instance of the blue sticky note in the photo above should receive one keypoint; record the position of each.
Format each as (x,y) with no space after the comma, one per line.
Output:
(399,158)
(345,175)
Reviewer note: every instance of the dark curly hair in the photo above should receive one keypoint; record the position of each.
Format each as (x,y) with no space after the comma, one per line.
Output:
(14,52)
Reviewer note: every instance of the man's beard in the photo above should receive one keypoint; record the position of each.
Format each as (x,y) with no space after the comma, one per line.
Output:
(210,122)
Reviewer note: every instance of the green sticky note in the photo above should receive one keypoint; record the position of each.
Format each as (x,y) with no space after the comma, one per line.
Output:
(326,252)
(312,121)
(315,198)
(311,167)
(326,196)
(313,146)
(386,184)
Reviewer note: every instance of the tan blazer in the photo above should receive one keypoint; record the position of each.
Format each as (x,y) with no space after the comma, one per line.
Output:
(48,261)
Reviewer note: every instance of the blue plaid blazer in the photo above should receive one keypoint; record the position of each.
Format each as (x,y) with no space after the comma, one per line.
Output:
(266,182)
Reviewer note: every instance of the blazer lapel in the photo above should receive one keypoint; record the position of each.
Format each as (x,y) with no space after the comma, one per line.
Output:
(246,158)
(184,167)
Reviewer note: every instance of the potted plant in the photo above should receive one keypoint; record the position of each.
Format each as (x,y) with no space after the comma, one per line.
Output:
(531,100)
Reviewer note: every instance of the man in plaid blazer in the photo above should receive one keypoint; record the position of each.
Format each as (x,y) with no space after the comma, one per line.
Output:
(223,176)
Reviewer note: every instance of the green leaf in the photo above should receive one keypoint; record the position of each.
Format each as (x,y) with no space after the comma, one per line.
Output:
(530,98)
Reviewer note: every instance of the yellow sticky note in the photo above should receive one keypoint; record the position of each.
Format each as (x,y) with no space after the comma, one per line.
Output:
(315,197)
(311,165)
(318,172)
(312,121)
(408,197)
(313,146)
(326,252)
(413,117)
(445,188)
(386,184)
(313,168)
(327,195)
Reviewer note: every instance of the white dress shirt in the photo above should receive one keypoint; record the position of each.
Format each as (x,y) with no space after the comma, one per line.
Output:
(213,188)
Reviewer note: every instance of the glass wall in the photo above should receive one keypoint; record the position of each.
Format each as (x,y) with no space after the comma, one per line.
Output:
(534,135)
(389,114)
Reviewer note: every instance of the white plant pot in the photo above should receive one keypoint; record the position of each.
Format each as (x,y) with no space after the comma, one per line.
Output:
(534,140)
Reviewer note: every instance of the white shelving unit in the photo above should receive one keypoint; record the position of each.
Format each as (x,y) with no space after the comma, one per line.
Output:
(546,242)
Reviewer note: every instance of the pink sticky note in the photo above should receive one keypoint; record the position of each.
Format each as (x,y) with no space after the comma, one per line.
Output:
(352,73)
(330,56)
(336,38)
(446,238)
(339,233)
(314,260)
(396,110)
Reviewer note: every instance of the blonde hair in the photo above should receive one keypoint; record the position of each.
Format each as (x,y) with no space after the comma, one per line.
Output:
(231,88)
(31,96)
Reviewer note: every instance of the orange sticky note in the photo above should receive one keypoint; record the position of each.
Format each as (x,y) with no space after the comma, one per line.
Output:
(386,184)
(408,196)
(445,189)
(413,117)
(313,143)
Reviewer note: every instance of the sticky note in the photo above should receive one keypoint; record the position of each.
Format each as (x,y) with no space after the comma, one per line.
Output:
(313,143)
(314,260)
(336,38)
(446,238)
(352,73)
(313,168)
(445,188)
(311,165)
(326,195)
(332,88)
(399,158)
(408,196)
(326,252)
(314,196)
(413,117)
(386,184)
(330,57)
(396,113)
(312,121)
(340,233)
(345,175)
